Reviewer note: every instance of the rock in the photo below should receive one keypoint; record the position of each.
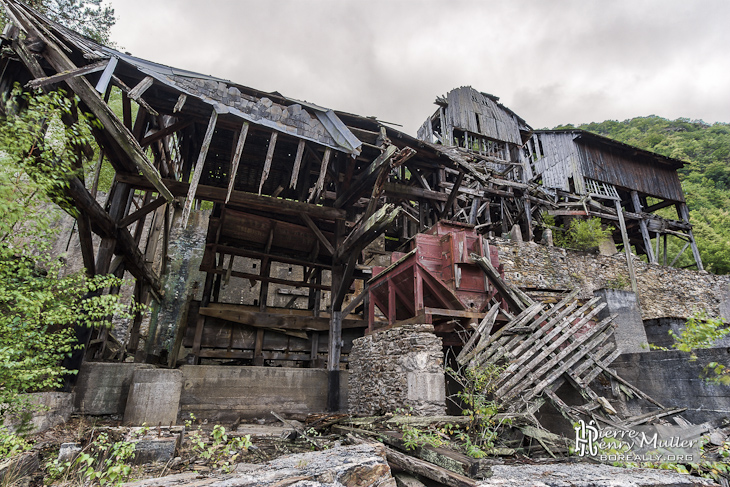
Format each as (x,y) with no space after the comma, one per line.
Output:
(353,466)
(587,475)
(68,452)
(17,467)
(717,437)
(406,480)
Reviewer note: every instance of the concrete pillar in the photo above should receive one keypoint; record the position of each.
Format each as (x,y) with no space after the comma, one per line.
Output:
(629,333)
(154,397)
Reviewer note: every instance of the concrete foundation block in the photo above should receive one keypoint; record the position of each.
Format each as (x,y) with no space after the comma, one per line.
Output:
(53,408)
(102,388)
(629,334)
(154,397)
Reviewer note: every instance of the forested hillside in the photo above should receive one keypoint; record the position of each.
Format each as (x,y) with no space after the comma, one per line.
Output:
(705,179)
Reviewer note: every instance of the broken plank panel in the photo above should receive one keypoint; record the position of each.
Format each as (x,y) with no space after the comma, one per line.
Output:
(190,198)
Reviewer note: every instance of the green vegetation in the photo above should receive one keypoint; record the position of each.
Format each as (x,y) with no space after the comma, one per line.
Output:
(91,18)
(40,301)
(581,234)
(705,179)
(102,461)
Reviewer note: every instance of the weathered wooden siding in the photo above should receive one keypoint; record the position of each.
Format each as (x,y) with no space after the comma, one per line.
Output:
(606,165)
(556,160)
(466,104)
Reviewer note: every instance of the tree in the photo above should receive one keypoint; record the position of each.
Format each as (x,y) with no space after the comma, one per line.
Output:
(40,303)
(91,18)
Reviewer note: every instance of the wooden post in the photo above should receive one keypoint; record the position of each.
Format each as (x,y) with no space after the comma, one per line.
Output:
(269,158)
(236,159)
(644,231)
(198,169)
(207,290)
(684,213)
(627,245)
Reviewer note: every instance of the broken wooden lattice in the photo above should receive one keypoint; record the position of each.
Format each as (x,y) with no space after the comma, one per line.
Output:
(543,347)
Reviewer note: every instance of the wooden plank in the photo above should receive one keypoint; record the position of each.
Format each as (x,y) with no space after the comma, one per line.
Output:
(515,298)
(417,466)
(486,323)
(258,277)
(406,192)
(297,164)
(318,233)
(319,186)
(141,87)
(267,161)
(456,313)
(236,159)
(242,199)
(180,103)
(102,86)
(57,78)
(140,101)
(243,252)
(190,198)
(133,217)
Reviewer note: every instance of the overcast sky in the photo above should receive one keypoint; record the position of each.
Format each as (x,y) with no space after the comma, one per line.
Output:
(552,62)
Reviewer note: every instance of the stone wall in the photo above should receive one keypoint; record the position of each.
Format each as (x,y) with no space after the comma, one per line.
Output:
(674,380)
(398,368)
(663,291)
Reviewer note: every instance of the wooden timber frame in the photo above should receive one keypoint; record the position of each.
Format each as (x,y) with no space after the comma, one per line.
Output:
(289,183)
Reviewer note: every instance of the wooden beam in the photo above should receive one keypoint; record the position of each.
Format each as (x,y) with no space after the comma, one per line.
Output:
(314,195)
(141,87)
(452,196)
(107,227)
(112,125)
(627,245)
(368,230)
(258,277)
(684,213)
(269,158)
(242,199)
(190,198)
(644,231)
(318,233)
(102,86)
(242,252)
(297,164)
(366,178)
(164,132)
(180,102)
(133,217)
(236,159)
(276,318)
(57,78)
(426,469)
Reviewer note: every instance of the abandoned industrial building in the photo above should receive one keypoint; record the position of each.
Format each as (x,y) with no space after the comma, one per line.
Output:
(300,258)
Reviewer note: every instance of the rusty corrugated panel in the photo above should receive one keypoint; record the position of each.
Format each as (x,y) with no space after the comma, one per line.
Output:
(607,165)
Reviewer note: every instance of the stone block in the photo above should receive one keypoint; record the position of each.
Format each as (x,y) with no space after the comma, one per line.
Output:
(102,388)
(68,451)
(154,397)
